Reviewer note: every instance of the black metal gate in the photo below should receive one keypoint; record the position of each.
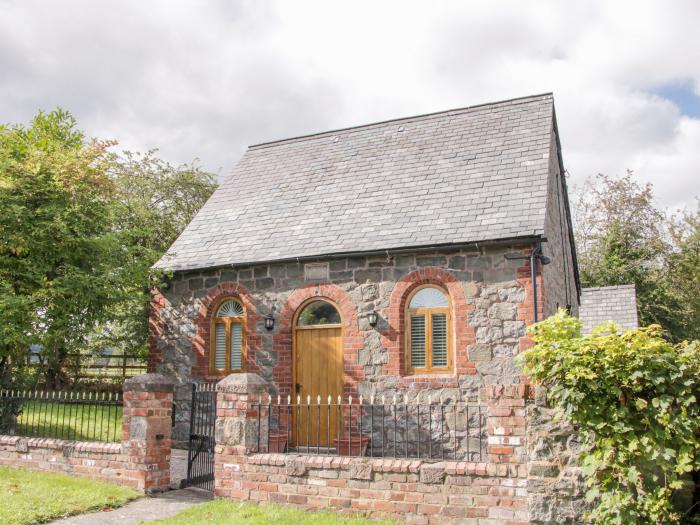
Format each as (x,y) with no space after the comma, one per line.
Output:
(200,457)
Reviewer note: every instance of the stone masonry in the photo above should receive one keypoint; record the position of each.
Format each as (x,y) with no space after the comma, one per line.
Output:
(490,294)
(492,305)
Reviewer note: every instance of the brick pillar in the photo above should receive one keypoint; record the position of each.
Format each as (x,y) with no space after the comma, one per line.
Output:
(146,427)
(506,423)
(236,430)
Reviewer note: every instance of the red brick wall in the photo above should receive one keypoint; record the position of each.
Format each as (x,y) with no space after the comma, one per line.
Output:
(353,338)
(411,490)
(414,490)
(394,337)
(141,460)
(155,330)
(202,340)
(101,461)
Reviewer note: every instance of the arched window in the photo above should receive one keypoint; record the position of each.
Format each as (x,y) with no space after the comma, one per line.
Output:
(428,331)
(318,313)
(228,345)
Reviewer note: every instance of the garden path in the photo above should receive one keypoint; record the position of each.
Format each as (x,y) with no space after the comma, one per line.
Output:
(145,509)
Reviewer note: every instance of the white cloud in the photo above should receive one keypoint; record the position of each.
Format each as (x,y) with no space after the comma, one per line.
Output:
(206,79)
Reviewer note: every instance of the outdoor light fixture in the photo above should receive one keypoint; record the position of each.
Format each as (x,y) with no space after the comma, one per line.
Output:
(372,318)
(269,322)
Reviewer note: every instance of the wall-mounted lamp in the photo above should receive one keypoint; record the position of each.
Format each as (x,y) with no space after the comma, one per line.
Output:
(269,322)
(372,318)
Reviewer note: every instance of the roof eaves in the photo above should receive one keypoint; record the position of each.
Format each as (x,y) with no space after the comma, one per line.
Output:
(535,237)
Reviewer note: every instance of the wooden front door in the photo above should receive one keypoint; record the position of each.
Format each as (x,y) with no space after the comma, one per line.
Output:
(318,371)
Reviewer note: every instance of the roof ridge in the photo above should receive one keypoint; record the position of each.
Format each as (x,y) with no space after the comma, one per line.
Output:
(309,136)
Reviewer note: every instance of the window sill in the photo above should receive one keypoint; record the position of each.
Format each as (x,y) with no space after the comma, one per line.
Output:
(444,378)
(216,376)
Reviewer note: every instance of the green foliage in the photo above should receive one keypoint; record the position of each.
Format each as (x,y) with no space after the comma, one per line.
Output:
(28,497)
(682,271)
(154,201)
(56,245)
(80,228)
(634,397)
(623,239)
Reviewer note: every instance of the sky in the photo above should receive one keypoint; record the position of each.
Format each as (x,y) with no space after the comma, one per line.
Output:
(204,79)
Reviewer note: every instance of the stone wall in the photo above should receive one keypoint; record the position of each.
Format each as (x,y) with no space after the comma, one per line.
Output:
(141,460)
(555,484)
(491,299)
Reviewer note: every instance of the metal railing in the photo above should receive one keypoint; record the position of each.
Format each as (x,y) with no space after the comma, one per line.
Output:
(81,416)
(424,429)
(200,456)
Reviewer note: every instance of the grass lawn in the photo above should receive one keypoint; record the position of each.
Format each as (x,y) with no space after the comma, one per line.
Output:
(81,422)
(28,497)
(225,512)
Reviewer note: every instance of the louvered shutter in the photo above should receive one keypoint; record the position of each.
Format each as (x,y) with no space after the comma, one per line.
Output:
(417,341)
(220,347)
(439,340)
(236,346)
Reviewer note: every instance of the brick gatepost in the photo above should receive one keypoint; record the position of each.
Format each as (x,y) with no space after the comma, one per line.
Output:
(236,430)
(146,430)
(506,426)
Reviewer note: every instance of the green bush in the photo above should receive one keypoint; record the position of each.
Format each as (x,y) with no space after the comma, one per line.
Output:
(634,398)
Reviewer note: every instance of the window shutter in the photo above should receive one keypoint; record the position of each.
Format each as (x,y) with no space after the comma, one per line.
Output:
(439,340)
(417,341)
(236,346)
(220,347)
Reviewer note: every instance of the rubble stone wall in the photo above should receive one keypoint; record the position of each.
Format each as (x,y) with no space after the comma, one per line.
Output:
(491,301)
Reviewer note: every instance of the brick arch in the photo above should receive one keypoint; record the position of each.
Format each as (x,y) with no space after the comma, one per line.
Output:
(393,337)
(353,338)
(201,344)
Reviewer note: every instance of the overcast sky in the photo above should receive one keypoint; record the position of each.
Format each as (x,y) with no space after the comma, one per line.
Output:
(207,78)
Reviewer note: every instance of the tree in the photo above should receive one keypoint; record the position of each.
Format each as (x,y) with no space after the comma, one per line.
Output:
(80,228)
(56,242)
(154,202)
(623,239)
(683,269)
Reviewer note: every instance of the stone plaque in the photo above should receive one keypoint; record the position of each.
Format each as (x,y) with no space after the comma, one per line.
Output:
(316,272)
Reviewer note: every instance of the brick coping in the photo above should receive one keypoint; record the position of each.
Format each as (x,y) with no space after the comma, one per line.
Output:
(394,465)
(57,444)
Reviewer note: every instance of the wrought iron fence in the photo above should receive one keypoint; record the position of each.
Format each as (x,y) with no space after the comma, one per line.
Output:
(383,427)
(81,416)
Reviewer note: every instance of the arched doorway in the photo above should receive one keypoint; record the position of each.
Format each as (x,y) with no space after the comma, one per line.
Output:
(317,371)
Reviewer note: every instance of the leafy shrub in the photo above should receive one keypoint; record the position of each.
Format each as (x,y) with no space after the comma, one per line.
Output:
(634,397)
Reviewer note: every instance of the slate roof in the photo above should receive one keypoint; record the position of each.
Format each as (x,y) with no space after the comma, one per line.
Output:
(609,303)
(459,176)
